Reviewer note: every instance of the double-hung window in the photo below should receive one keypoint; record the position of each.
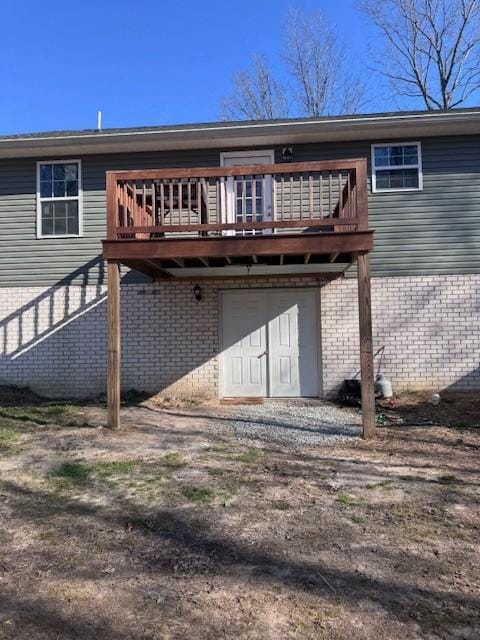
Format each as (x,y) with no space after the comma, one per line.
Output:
(397,167)
(59,199)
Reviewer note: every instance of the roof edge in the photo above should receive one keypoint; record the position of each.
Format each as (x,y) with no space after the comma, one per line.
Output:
(331,128)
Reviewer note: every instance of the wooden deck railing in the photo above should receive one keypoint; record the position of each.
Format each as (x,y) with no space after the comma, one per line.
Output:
(296,198)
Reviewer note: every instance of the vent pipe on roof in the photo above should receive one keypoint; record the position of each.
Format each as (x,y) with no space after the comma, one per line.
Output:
(99,120)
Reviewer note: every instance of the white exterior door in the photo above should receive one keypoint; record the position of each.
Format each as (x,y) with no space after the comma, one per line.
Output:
(241,201)
(244,344)
(270,343)
(292,343)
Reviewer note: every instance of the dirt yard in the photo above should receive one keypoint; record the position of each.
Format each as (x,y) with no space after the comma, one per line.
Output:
(173,528)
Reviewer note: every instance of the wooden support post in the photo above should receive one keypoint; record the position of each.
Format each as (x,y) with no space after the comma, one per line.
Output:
(366,345)
(113,365)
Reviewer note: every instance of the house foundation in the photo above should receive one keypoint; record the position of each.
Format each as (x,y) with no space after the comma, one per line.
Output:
(54,340)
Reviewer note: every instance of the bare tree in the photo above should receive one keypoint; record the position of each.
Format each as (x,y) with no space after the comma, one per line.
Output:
(317,62)
(316,78)
(433,48)
(256,95)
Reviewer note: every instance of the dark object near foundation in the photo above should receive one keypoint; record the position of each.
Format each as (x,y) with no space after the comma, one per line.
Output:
(350,393)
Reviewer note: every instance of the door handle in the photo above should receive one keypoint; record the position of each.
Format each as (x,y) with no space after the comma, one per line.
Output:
(265,353)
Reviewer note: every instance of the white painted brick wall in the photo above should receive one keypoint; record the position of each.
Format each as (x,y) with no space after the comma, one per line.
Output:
(54,340)
(429,325)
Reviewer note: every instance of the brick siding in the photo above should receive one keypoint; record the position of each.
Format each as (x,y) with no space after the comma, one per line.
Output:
(54,340)
(429,326)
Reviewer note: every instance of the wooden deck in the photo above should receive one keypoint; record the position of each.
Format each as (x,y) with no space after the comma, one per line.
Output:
(284,214)
(283,218)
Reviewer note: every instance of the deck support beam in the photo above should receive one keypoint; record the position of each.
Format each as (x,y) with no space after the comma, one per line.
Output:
(113,328)
(334,256)
(366,345)
(158,273)
(180,248)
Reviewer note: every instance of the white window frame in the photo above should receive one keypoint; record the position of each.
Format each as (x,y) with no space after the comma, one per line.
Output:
(78,197)
(417,166)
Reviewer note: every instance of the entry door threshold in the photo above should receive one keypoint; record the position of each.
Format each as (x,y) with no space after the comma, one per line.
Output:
(247,400)
(300,400)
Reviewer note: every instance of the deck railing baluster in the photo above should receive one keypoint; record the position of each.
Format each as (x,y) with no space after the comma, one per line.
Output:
(154,204)
(179,201)
(218,199)
(301,196)
(282,197)
(162,202)
(120,208)
(340,195)
(349,201)
(134,204)
(199,201)
(291,197)
(272,197)
(320,191)
(244,199)
(330,187)
(264,199)
(354,194)
(310,196)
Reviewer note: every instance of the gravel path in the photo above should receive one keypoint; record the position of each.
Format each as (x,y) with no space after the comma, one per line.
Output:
(294,424)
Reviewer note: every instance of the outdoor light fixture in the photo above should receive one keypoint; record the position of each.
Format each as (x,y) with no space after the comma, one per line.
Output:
(197,292)
(287,154)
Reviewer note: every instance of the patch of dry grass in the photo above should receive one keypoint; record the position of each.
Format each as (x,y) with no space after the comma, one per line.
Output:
(115,535)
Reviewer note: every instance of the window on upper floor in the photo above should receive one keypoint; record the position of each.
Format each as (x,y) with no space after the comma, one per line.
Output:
(397,167)
(59,199)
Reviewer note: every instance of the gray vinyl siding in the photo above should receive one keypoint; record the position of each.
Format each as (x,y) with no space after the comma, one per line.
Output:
(26,260)
(434,231)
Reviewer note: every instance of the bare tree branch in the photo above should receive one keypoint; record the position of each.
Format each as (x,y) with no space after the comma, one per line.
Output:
(435,44)
(317,81)
(256,95)
(316,60)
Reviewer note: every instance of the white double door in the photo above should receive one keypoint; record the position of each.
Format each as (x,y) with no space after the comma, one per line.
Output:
(270,343)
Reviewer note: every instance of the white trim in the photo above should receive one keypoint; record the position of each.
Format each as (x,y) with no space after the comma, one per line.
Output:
(78,198)
(417,166)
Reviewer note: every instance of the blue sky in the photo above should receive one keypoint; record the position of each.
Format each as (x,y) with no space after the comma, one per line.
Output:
(143,62)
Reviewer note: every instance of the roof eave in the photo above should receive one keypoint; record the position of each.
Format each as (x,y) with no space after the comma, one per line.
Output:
(234,135)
